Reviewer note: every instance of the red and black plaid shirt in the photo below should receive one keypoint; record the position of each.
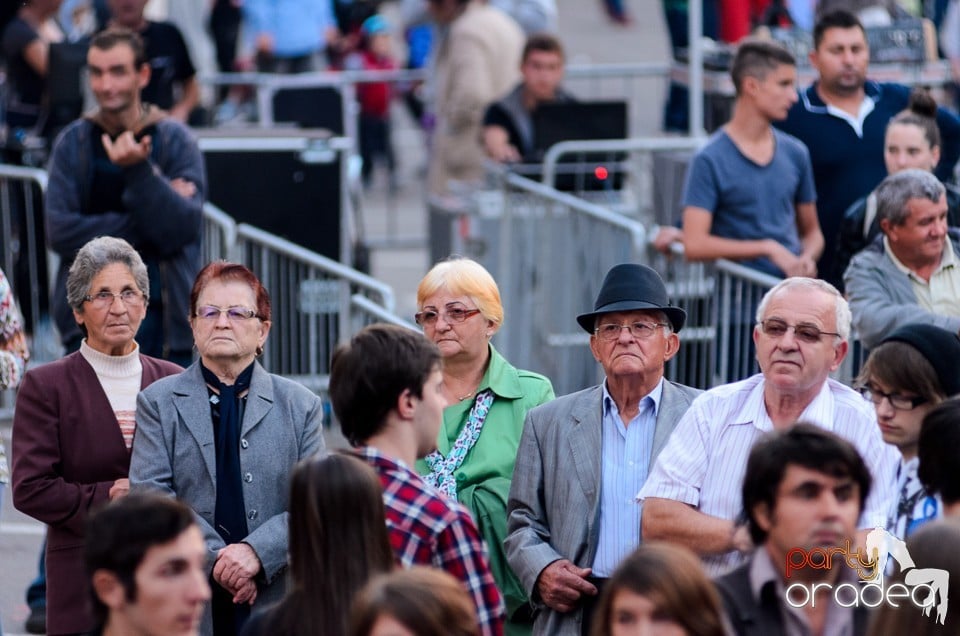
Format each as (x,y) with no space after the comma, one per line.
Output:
(428,529)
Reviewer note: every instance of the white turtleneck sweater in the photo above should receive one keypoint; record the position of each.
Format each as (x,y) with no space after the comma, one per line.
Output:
(120,377)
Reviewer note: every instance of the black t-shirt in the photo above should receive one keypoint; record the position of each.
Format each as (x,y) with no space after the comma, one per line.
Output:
(497,115)
(26,85)
(170,63)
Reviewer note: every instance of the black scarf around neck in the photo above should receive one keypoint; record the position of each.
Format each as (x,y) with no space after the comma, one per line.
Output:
(230,515)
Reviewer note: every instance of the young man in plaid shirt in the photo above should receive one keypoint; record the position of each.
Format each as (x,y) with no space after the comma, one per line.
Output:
(385,385)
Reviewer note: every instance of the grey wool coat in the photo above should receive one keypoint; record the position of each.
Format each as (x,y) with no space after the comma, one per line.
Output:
(174,452)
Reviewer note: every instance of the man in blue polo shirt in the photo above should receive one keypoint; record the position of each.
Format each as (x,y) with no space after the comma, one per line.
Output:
(842,119)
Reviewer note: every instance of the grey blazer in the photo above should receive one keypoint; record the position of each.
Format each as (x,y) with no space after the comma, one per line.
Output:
(553,508)
(174,452)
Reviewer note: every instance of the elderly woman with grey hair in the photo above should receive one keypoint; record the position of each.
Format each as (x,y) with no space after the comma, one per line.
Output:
(74,420)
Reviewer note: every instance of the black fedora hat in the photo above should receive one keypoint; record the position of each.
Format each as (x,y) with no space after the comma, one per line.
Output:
(628,287)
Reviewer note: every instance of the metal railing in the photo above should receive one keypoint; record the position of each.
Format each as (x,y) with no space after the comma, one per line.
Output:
(21,229)
(219,234)
(629,82)
(317,303)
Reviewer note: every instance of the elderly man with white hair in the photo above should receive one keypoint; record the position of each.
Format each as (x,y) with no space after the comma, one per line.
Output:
(692,495)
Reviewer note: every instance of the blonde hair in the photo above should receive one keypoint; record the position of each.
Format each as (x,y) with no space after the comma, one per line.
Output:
(463,276)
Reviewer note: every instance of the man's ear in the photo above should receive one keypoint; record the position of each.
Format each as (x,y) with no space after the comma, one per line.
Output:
(406,404)
(109,589)
(143,75)
(763,516)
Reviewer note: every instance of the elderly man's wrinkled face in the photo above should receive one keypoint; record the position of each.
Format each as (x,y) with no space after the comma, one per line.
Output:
(920,239)
(797,360)
(635,343)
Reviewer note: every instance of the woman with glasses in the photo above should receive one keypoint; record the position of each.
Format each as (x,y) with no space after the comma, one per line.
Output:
(488,400)
(223,437)
(74,420)
(909,373)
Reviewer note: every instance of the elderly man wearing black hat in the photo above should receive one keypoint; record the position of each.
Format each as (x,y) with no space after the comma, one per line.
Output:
(692,496)
(582,457)
(912,371)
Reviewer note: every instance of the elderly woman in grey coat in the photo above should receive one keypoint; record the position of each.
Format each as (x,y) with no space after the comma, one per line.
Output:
(223,437)
(74,419)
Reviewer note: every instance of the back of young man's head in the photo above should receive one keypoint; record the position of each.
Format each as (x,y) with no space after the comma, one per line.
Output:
(938,449)
(838,19)
(803,445)
(119,536)
(370,373)
(756,58)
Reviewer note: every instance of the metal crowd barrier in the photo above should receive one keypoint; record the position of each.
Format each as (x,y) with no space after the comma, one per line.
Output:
(549,251)
(21,229)
(644,174)
(629,82)
(317,303)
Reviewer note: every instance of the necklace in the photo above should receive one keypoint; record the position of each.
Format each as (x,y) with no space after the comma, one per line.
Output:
(468,395)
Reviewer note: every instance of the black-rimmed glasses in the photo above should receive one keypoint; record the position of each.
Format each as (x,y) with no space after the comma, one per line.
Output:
(897,401)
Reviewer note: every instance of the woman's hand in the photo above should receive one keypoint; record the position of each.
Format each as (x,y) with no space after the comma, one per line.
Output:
(235,563)
(119,488)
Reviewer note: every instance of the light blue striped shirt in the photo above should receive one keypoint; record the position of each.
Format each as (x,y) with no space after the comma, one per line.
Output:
(625,463)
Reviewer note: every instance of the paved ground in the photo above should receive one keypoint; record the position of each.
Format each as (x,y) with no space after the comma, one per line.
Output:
(589,38)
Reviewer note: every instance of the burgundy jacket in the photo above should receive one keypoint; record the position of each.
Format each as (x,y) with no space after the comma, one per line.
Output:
(67,451)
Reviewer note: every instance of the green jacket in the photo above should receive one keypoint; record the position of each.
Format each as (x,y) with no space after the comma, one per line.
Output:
(483,480)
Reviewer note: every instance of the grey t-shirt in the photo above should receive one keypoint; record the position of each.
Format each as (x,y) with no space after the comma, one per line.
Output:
(749,201)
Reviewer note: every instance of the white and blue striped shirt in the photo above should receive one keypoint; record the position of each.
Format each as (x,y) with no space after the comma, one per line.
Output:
(625,462)
(705,458)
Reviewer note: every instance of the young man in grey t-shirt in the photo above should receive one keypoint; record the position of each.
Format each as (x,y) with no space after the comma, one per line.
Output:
(749,194)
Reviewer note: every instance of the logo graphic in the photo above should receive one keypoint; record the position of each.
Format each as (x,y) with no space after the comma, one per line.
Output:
(926,588)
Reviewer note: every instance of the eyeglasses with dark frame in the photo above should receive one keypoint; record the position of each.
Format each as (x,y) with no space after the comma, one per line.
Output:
(897,401)
(104,298)
(234,314)
(639,330)
(776,328)
(450,315)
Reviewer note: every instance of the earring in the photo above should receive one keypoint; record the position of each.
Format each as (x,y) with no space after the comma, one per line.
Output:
(259,351)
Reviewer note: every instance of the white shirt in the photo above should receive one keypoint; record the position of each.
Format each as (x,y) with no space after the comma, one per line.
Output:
(704,460)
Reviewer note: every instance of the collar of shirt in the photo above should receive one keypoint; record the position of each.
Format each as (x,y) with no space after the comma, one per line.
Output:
(947,259)
(819,411)
(763,573)
(610,405)
(871,95)
(375,457)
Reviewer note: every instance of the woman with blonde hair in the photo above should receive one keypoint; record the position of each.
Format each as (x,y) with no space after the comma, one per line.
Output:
(460,310)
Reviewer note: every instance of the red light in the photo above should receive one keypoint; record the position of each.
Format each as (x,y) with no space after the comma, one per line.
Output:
(600,173)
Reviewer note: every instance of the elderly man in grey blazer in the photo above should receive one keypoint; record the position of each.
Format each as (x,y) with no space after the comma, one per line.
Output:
(572,516)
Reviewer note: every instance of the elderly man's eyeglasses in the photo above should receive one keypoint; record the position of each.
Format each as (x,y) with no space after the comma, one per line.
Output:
(897,401)
(776,328)
(234,314)
(130,298)
(639,330)
(451,315)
